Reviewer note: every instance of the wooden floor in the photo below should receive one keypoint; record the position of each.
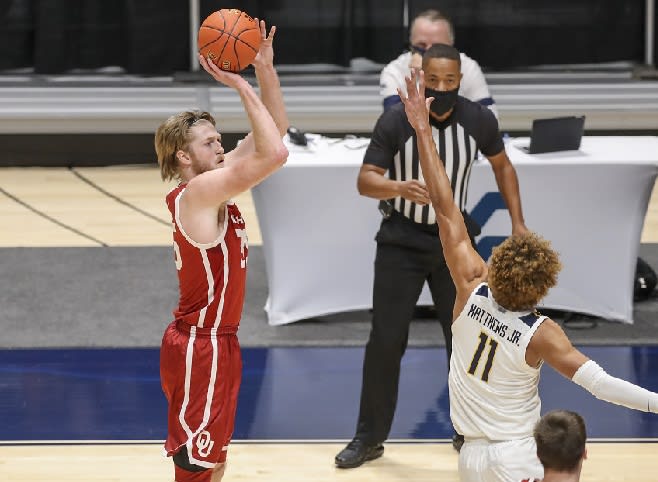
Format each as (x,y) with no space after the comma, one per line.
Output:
(133,214)
(253,462)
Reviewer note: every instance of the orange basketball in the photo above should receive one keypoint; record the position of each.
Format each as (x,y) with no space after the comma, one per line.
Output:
(230,38)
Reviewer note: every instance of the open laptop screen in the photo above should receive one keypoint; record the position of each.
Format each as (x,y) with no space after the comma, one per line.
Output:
(556,134)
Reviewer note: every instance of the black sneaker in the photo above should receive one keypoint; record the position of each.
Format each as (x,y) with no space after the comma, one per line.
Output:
(457,442)
(356,453)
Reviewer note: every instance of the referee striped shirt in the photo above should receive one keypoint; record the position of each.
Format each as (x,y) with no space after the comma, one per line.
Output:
(469,129)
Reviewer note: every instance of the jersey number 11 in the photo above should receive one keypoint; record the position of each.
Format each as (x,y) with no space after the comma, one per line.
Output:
(493,344)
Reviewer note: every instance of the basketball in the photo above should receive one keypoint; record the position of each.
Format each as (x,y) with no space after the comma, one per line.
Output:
(230,38)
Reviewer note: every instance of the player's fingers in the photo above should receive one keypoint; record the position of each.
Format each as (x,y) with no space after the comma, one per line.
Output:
(214,70)
(272,32)
(205,63)
(420,194)
(211,65)
(414,75)
(401,95)
(409,80)
(421,82)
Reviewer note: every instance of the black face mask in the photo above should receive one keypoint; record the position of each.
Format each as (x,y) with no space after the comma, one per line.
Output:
(443,100)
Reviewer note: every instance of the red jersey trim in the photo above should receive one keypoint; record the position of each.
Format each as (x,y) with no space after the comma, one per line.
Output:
(203,247)
(196,244)
(186,398)
(227,267)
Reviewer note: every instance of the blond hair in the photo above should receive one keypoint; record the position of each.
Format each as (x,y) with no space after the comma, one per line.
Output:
(521,271)
(173,135)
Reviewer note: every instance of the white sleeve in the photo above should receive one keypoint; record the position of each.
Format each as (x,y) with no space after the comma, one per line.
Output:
(474,85)
(393,75)
(595,380)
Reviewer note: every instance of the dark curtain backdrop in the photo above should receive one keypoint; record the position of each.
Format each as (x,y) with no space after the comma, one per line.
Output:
(152,37)
(502,34)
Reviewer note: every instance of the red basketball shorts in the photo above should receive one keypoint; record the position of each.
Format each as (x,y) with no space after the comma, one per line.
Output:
(200,372)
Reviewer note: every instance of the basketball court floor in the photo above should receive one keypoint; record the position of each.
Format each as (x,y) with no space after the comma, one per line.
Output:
(99,414)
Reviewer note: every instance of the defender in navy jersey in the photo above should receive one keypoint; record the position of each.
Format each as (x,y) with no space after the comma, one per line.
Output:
(499,341)
(200,362)
(408,251)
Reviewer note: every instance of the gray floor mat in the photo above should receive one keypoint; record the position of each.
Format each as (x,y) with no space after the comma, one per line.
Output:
(123,297)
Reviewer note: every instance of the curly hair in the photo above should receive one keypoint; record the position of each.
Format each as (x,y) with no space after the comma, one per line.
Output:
(174,134)
(521,271)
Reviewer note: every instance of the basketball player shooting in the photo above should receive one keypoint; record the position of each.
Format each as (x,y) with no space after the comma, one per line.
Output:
(200,362)
(499,340)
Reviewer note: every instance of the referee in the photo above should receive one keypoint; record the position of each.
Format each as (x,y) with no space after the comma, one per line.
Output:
(409,252)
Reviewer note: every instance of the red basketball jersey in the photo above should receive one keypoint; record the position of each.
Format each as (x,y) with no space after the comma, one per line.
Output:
(211,276)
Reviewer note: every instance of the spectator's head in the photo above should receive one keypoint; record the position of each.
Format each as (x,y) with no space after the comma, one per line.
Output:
(428,28)
(175,138)
(560,437)
(521,271)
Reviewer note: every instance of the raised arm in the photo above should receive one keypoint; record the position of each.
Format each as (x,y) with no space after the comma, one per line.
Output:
(245,168)
(551,344)
(466,266)
(270,89)
(268,80)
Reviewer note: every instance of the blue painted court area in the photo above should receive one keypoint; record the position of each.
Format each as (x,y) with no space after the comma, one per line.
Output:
(287,393)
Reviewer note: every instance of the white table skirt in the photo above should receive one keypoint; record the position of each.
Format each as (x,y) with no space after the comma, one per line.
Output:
(318,232)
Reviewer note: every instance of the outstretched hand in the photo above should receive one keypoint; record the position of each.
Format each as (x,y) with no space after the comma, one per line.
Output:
(415,104)
(519,229)
(230,79)
(416,61)
(265,54)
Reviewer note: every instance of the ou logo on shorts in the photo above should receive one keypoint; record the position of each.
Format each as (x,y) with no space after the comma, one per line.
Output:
(204,443)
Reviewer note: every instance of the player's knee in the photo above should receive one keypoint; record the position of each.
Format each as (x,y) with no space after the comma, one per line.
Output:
(185,471)
(218,472)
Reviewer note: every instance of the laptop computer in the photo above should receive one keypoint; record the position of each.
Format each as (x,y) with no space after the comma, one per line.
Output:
(555,134)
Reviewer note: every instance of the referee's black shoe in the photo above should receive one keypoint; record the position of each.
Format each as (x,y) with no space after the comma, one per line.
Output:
(356,453)
(457,441)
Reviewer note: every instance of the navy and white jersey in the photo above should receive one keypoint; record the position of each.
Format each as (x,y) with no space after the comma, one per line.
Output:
(493,392)
(393,146)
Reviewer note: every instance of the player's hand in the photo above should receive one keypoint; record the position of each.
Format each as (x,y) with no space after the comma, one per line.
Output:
(519,228)
(415,191)
(416,61)
(416,105)
(265,55)
(230,79)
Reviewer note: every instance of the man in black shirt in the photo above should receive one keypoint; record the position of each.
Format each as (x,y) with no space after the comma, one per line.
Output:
(408,248)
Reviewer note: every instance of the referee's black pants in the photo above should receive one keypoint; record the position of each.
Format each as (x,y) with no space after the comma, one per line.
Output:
(400,273)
